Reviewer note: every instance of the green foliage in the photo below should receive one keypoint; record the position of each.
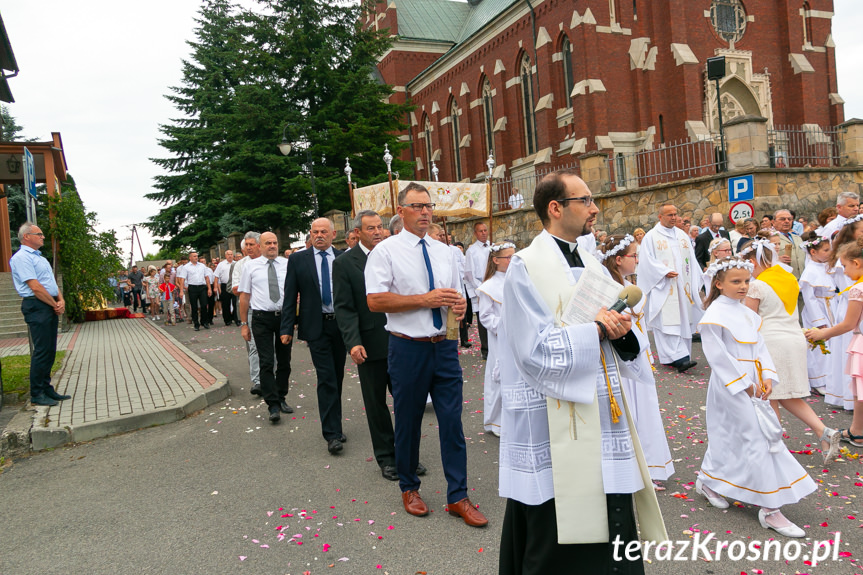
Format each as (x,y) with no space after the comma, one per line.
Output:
(16,197)
(87,256)
(16,372)
(304,64)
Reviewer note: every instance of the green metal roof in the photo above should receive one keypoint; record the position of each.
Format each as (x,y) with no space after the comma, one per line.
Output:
(440,20)
(481,13)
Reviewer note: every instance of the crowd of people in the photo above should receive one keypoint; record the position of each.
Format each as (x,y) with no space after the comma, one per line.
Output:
(575,406)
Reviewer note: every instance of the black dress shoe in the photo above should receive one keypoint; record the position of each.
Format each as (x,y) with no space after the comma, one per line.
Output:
(274,414)
(466,344)
(686,365)
(256,389)
(197,328)
(696,337)
(43,400)
(334,446)
(206,326)
(389,472)
(57,396)
(421,469)
(285,408)
(237,323)
(343,438)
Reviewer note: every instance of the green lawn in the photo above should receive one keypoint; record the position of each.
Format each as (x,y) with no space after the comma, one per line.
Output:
(16,372)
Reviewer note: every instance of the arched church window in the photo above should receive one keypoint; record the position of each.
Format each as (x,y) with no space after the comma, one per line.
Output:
(807,24)
(487,116)
(527,103)
(427,136)
(456,139)
(568,79)
(728,19)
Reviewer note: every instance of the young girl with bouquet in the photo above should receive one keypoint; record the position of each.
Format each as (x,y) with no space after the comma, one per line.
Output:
(746,458)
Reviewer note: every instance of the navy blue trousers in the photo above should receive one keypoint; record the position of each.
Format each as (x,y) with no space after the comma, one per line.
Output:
(418,369)
(43,322)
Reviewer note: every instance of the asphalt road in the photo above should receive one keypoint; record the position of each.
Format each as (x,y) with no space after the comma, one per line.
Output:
(225,491)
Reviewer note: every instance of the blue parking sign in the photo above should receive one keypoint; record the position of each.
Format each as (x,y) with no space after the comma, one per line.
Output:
(741,188)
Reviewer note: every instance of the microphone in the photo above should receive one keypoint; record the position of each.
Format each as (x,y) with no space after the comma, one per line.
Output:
(628,297)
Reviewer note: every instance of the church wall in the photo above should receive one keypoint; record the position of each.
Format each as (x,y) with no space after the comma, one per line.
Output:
(628,89)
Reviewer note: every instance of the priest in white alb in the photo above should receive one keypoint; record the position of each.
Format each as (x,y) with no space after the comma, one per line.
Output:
(671,279)
(571,466)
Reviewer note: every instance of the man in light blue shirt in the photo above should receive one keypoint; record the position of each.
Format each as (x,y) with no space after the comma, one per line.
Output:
(42,306)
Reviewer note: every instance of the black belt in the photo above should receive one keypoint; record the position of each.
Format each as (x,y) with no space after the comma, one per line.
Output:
(263,312)
(329,316)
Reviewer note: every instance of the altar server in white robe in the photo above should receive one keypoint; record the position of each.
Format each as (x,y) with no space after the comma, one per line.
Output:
(670,278)
(818,292)
(619,257)
(741,462)
(570,460)
(490,296)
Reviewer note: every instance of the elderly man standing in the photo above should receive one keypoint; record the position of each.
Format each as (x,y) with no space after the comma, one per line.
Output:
(476,260)
(670,280)
(790,250)
(252,250)
(414,280)
(702,242)
(310,278)
(261,291)
(194,278)
(847,206)
(224,272)
(42,306)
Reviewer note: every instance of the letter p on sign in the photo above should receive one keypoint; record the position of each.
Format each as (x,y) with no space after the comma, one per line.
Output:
(741,188)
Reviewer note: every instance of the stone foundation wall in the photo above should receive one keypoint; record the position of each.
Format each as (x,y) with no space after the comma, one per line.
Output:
(807,191)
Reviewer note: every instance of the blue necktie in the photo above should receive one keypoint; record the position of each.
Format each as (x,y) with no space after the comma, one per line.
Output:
(436,317)
(326,296)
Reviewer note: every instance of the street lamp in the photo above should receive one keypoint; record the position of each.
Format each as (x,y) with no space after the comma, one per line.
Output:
(285,148)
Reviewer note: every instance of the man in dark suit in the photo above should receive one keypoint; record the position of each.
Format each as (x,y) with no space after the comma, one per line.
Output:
(702,242)
(366,338)
(310,277)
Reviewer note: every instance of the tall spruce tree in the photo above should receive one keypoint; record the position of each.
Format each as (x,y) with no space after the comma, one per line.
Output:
(305,68)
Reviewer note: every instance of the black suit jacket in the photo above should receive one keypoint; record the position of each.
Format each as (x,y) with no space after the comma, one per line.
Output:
(302,281)
(702,242)
(359,325)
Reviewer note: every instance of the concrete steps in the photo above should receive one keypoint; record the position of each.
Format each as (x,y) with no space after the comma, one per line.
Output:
(12,323)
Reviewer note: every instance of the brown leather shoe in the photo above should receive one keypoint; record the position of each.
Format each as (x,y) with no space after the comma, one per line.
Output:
(466,510)
(414,504)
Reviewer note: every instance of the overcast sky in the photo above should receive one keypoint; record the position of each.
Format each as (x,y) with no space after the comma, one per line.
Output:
(97,71)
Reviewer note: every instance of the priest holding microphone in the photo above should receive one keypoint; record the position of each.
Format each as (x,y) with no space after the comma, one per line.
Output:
(571,466)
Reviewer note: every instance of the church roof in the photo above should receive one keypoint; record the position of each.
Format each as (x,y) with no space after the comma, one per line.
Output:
(446,20)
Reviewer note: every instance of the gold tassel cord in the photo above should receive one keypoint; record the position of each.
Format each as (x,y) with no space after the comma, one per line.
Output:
(615,409)
(759,370)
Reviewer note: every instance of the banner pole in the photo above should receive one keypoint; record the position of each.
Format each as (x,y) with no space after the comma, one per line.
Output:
(388,160)
(348,172)
(490,211)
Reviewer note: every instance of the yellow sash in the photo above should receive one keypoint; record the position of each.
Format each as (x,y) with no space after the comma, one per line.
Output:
(784,284)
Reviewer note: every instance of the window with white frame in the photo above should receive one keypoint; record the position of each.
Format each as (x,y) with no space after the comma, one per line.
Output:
(568,78)
(456,139)
(487,116)
(728,19)
(527,104)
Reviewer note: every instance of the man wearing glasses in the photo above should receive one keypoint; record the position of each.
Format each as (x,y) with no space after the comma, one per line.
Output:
(42,307)
(415,281)
(570,465)
(671,279)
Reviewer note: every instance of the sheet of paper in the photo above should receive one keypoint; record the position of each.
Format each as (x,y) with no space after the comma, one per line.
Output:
(593,291)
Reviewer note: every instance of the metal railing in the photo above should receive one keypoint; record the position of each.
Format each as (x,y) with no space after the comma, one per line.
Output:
(804,146)
(505,192)
(668,162)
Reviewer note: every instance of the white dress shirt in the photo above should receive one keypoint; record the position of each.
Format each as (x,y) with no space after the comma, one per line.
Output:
(194,274)
(212,277)
(255,281)
(223,270)
(474,270)
(397,266)
(318,260)
(238,272)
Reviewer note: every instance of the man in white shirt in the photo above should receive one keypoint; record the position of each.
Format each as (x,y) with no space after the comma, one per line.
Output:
(516,200)
(476,260)
(229,300)
(212,295)
(414,280)
(194,278)
(262,292)
(847,206)
(252,250)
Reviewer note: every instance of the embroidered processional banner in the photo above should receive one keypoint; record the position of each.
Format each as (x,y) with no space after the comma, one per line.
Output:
(456,199)
(375,197)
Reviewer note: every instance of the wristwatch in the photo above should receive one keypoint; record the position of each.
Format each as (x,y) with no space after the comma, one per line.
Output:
(242,323)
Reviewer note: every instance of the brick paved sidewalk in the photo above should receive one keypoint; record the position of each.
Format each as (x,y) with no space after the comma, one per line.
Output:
(123,374)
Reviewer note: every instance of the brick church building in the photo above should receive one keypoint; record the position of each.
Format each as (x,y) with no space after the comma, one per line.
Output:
(538,83)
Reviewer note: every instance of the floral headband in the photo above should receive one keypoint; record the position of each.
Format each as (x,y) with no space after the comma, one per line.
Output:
(717,244)
(852,221)
(812,244)
(727,264)
(504,246)
(624,243)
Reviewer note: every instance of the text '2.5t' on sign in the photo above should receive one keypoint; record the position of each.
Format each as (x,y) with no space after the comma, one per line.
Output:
(740,211)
